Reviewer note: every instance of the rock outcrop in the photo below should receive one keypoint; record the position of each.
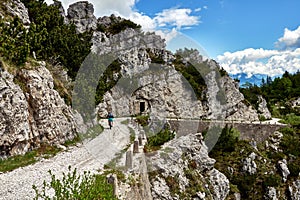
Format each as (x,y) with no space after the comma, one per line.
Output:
(18,9)
(294,190)
(235,108)
(15,128)
(249,164)
(271,193)
(157,85)
(186,171)
(33,113)
(282,164)
(163,92)
(262,108)
(82,15)
(134,49)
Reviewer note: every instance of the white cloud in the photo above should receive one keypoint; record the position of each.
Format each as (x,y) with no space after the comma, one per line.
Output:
(106,7)
(176,17)
(171,20)
(197,10)
(260,61)
(145,21)
(269,62)
(290,39)
(205,7)
(167,35)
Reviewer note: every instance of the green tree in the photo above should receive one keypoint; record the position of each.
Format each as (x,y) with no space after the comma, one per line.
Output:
(14,41)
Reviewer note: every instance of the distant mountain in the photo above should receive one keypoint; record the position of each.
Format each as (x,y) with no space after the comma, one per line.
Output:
(254,79)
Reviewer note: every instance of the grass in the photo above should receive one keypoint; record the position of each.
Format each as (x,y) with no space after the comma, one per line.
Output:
(154,142)
(291,119)
(132,134)
(142,120)
(75,186)
(14,162)
(44,151)
(125,122)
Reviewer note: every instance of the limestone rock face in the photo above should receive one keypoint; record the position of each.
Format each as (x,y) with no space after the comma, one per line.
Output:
(34,114)
(294,190)
(284,169)
(15,128)
(262,108)
(275,140)
(271,193)
(152,88)
(235,108)
(187,159)
(53,119)
(127,40)
(149,85)
(249,164)
(82,15)
(17,8)
(296,103)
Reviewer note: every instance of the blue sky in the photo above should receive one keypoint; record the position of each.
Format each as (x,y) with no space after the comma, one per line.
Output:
(257,36)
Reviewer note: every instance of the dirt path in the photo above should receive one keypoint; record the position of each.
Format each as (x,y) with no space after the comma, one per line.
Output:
(89,156)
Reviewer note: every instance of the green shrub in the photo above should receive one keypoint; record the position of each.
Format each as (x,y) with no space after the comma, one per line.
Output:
(275,156)
(14,41)
(155,141)
(118,27)
(29,158)
(294,167)
(54,41)
(227,140)
(107,80)
(290,141)
(291,119)
(142,120)
(173,184)
(262,118)
(272,180)
(245,184)
(75,186)
(191,73)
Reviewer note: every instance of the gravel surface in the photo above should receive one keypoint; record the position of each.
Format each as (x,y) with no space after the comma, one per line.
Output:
(89,156)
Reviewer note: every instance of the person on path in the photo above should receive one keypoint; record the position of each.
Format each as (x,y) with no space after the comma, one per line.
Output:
(110,118)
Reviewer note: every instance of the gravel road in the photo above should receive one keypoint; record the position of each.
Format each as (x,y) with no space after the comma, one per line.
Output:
(89,156)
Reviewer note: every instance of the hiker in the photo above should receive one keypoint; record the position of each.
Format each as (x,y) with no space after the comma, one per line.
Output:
(110,118)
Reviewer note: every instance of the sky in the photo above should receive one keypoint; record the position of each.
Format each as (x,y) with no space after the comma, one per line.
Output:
(252,37)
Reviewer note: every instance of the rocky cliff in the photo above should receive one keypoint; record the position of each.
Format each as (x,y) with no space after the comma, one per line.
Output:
(183,170)
(14,8)
(147,68)
(150,83)
(32,112)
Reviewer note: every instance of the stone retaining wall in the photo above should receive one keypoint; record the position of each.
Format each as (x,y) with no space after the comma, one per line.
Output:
(258,132)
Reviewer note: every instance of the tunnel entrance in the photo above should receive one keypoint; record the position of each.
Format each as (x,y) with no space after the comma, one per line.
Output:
(142,107)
